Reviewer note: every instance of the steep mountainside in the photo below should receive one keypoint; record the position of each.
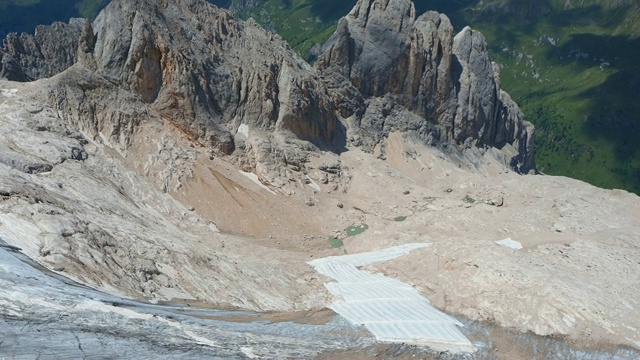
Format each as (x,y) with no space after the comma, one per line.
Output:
(414,76)
(218,95)
(305,24)
(571,65)
(211,89)
(170,152)
(240,93)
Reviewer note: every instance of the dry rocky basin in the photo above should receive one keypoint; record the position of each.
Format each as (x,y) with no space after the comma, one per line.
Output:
(157,169)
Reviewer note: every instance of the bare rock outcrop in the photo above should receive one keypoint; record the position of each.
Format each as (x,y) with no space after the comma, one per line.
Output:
(239,90)
(49,51)
(187,63)
(210,73)
(74,205)
(382,53)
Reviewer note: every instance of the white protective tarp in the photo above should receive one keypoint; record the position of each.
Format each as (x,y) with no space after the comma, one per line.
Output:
(390,309)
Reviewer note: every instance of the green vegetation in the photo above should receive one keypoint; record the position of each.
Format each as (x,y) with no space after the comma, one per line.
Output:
(306,24)
(400,218)
(303,23)
(575,74)
(352,230)
(90,8)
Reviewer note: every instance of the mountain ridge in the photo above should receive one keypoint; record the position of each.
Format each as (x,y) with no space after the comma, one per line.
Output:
(447,80)
(175,80)
(550,53)
(558,62)
(280,95)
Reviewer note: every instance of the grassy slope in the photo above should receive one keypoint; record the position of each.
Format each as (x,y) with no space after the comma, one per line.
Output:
(303,23)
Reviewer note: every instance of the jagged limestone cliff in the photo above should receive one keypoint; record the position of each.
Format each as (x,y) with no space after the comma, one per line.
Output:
(214,77)
(51,50)
(383,62)
(188,63)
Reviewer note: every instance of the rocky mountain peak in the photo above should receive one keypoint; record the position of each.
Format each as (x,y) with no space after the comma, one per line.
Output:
(417,69)
(51,50)
(210,73)
(383,25)
(237,89)
(227,84)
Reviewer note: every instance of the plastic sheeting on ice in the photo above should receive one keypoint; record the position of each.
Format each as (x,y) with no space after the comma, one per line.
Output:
(390,309)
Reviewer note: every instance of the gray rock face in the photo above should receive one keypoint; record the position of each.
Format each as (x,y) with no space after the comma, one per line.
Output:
(209,73)
(81,209)
(186,62)
(213,77)
(382,53)
(50,51)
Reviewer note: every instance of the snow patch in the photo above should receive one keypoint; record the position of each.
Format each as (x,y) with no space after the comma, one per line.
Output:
(509,243)
(93,305)
(213,228)
(9,92)
(21,233)
(249,352)
(244,130)
(391,310)
(312,184)
(105,140)
(253,177)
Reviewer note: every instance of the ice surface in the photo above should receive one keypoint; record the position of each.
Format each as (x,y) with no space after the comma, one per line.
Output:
(43,313)
(390,309)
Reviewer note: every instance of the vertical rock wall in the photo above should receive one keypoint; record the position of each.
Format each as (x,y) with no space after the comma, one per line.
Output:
(208,74)
(382,53)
